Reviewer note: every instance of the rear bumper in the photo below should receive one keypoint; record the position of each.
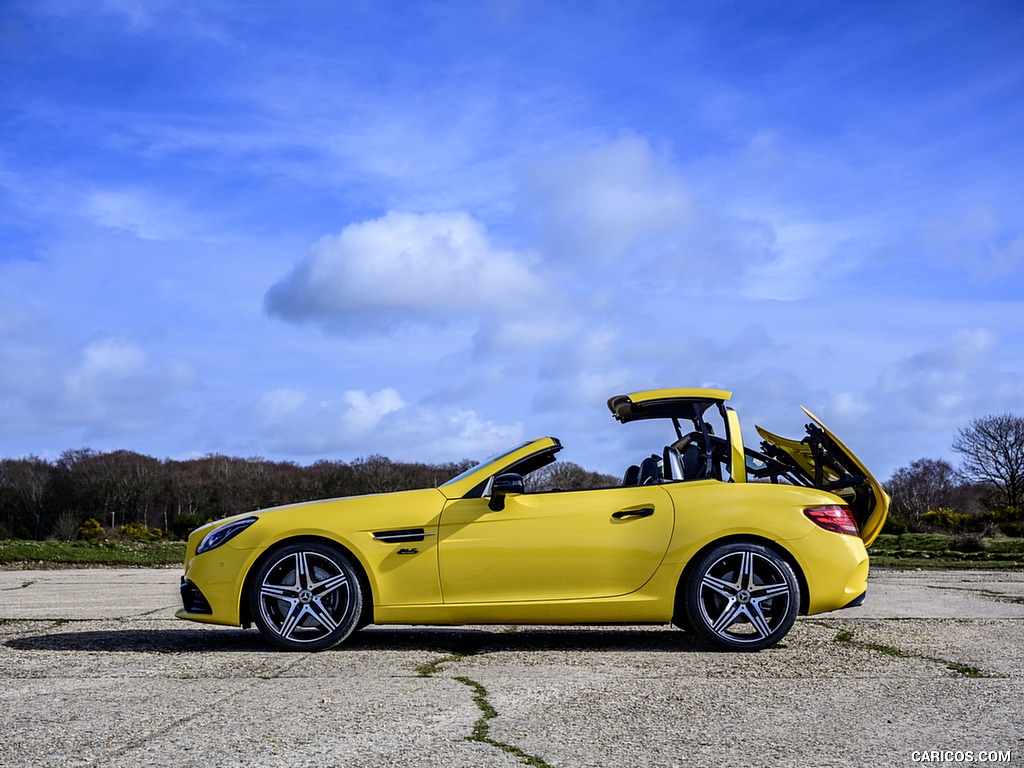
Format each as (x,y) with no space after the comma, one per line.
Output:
(857,601)
(835,568)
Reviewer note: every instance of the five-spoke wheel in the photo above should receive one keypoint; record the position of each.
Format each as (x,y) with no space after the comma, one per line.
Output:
(742,596)
(306,596)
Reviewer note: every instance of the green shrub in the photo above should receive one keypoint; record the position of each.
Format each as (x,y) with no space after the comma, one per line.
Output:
(948,520)
(139,532)
(90,530)
(183,525)
(1010,521)
(894,525)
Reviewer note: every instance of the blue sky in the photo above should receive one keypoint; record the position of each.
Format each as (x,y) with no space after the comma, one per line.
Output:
(431,229)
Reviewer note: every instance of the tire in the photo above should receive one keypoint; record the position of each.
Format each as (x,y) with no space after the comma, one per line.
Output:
(306,597)
(742,596)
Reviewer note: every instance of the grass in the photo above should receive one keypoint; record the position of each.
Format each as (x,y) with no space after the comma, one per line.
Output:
(907,550)
(939,550)
(137,553)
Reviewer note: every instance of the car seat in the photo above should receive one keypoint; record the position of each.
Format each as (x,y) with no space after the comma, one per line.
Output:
(650,473)
(632,476)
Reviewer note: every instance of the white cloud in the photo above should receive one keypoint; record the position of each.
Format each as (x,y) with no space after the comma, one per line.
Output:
(938,388)
(115,386)
(279,404)
(362,423)
(366,411)
(106,360)
(626,212)
(463,434)
(144,215)
(405,267)
(109,388)
(601,202)
(980,241)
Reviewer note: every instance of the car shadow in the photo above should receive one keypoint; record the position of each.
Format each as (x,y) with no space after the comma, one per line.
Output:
(456,640)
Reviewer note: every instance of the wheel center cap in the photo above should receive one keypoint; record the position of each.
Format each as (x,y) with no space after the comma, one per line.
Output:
(743,596)
(305,596)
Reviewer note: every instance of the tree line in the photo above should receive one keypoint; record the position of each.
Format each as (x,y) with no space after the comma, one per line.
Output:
(132,492)
(41,498)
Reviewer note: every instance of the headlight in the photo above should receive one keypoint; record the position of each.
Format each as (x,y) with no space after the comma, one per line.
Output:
(218,536)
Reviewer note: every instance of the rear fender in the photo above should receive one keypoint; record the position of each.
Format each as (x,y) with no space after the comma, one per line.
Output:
(781,551)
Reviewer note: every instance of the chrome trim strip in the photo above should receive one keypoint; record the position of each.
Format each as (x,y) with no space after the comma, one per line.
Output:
(400,536)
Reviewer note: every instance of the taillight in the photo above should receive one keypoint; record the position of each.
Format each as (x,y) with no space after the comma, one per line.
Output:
(836,519)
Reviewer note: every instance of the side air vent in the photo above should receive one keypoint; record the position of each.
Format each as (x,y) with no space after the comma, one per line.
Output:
(402,536)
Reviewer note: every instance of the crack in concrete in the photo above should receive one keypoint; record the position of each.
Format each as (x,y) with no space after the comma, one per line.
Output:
(481,728)
(999,597)
(24,585)
(846,636)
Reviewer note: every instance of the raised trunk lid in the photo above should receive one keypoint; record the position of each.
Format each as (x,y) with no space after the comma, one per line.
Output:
(821,460)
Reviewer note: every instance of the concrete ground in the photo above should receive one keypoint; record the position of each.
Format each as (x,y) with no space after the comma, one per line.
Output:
(95,671)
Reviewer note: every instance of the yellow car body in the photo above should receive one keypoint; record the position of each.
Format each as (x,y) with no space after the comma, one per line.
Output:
(481,550)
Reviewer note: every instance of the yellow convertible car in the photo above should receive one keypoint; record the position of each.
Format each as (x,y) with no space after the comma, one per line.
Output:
(724,541)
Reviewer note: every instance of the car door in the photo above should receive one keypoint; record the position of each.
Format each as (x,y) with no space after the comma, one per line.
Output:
(555,545)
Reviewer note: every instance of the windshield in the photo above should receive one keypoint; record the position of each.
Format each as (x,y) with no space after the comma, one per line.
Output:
(484,463)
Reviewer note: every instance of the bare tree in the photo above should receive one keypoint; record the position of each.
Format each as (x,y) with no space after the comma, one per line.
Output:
(29,482)
(925,485)
(992,448)
(566,476)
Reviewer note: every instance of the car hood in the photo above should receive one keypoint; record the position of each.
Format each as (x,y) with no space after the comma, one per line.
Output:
(821,460)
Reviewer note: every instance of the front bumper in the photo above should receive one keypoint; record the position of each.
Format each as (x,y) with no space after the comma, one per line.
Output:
(193,600)
(212,585)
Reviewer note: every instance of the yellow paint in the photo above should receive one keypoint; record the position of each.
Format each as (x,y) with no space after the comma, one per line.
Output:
(676,394)
(557,545)
(737,459)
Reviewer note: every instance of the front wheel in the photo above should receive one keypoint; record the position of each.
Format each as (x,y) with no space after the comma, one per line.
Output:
(742,596)
(306,597)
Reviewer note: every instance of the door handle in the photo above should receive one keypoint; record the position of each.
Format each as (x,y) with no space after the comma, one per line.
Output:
(645,512)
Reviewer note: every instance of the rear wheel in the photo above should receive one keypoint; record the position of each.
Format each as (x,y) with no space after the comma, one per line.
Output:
(306,596)
(742,596)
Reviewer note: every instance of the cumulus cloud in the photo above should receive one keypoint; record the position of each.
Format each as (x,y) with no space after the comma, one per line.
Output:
(280,404)
(366,411)
(108,389)
(601,202)
(938,388)
(115,387)
(403,267)
(363,423)
(622,204)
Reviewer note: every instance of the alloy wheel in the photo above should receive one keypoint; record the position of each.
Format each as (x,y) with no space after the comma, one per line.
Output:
(306,596)
(743,597)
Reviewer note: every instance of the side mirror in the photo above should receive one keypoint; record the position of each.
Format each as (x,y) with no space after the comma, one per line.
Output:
(501,487)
